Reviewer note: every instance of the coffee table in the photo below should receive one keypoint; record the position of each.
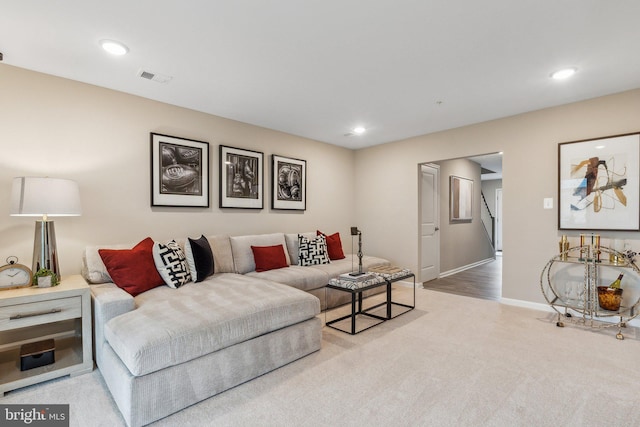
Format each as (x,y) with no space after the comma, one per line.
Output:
(357,288)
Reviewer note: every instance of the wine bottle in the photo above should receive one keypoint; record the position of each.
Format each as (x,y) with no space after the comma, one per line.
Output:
(616,283)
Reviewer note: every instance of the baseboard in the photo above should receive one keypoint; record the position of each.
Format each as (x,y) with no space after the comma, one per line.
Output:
(465,267)
(547,308)
(406,284)
(527,304)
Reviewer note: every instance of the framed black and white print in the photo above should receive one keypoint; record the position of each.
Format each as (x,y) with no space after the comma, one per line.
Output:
(599,184)
(241,178)
(288,183)
(179,171)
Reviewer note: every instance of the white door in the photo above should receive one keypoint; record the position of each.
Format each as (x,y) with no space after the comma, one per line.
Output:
(499,219)
(429,223)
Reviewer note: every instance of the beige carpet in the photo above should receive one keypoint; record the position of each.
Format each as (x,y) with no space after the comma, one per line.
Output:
(453,361)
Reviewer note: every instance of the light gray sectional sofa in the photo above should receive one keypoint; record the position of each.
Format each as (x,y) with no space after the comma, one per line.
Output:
(166,349)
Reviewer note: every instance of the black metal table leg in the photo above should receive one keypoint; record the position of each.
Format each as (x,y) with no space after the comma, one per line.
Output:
(388,299)
(353,312)
(357,307)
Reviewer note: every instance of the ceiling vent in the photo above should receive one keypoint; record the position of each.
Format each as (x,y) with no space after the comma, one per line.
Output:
(156,77)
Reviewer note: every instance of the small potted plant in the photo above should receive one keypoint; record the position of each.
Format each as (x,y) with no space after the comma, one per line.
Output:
(45,278)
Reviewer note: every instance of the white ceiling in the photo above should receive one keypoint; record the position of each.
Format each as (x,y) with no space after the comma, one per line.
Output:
(318,68)
(489,162)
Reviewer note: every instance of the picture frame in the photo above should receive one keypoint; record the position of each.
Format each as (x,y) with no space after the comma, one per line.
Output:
(241,178)
(599,183)
(461,199)
(179,171)
(288,183)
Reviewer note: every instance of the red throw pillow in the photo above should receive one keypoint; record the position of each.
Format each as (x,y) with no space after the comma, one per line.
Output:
(132,269)
(334,245)
(269,257)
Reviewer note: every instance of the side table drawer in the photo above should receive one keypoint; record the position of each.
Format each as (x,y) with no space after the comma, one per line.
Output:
(37,313)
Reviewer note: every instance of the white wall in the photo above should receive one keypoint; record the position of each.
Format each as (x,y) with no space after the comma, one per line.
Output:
(387,182)
(100,138)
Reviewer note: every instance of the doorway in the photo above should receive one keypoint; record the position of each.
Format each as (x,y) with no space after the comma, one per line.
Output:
(490,175)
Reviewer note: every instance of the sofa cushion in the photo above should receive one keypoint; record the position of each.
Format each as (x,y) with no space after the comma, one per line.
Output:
(303,278)
(171,264)
(334,245)
(242,253)
(132,269)
(269,257)
(222,254)
(170,327)
(199,258)
(292,244)
(93,269)
(312,251)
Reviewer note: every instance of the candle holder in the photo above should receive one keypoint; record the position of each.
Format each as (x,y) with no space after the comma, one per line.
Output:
(589,247)
(564,248)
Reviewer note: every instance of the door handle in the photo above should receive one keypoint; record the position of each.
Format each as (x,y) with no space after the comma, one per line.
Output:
(437,228)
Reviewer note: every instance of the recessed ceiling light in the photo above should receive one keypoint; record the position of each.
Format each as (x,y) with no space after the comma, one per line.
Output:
(563,74)
(114,47)
(359,130)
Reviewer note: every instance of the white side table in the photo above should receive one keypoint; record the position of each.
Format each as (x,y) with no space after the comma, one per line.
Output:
(27,315)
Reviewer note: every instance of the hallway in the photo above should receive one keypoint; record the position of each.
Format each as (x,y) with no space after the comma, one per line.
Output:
(484,281)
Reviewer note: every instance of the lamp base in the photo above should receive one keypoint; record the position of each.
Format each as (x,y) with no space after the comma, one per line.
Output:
(45,252)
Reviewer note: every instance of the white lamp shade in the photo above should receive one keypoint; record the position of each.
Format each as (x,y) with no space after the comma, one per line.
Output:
(31,196)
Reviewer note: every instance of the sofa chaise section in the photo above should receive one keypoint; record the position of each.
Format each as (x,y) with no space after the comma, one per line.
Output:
(168,348)
(145,399)
(173,326)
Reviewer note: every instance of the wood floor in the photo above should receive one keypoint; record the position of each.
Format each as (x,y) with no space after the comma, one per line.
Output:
(484,282)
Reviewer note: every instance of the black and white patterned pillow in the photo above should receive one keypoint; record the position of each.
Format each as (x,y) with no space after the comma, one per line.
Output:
(171,264)
(312,251)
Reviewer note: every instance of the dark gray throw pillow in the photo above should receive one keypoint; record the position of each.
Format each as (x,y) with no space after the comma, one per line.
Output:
(199,257)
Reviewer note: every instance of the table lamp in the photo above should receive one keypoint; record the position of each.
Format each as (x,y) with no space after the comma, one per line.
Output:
(45,197)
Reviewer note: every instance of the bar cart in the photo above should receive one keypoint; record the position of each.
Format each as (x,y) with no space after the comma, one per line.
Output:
(570,282)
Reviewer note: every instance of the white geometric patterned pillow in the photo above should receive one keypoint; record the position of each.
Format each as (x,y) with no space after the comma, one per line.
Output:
(171,264)
(312,251)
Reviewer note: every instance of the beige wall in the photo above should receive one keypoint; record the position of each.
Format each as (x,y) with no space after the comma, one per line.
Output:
(100,138)
(387,182)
